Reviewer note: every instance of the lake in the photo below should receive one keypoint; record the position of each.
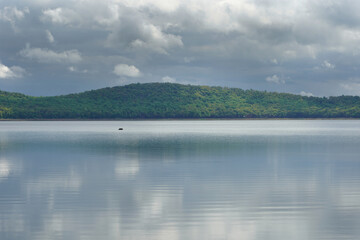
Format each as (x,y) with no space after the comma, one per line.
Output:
(234,179)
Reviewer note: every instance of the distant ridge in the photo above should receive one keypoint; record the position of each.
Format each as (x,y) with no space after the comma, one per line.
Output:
(170,100)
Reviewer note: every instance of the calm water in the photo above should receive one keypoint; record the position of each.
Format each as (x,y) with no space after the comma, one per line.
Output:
(168,180)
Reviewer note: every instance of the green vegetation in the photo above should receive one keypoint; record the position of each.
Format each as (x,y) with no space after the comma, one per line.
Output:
(167,100)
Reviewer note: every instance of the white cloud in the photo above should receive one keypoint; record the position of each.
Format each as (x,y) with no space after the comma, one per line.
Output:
(126,70)
(58,15)
(49,56)
(49,36)
(11,72)
(189,59)
(155,40)
(75,69)
(306,94)
(274,61)
(327,65)
(168,79)
(275,79)
(166,6)
(11,14)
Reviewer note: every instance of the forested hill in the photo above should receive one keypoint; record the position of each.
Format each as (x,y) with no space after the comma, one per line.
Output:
(168,100)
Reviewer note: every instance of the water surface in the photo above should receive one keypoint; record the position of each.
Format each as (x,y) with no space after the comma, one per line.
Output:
(245,179)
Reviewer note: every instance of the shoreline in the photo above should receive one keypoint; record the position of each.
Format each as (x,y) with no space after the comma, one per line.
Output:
(167,119)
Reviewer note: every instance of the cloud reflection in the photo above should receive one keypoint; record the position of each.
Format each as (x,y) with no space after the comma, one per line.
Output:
(4,169)
(239,187)
(126,168)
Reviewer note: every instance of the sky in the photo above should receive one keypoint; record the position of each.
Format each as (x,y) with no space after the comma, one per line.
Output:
(50,47)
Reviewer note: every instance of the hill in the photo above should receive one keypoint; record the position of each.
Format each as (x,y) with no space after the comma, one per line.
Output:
(168,100)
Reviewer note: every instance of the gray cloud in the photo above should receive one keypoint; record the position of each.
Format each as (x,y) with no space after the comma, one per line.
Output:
(339,13)
(49,56)
(352,86)
(227,43)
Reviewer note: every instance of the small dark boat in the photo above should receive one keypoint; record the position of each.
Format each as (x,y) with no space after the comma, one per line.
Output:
(121,129)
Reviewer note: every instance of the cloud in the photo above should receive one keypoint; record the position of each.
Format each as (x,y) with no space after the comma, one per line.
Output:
(58,15)
(306,94)
(275,79)
(168,79)
(141,35)
(72,69)
(127,26)
(75,69)
(327,65)
(351,87)
(49,56)
(126,70)
(339,13)
(189,59)
(274,61)
(226,43)
(11,72)
(49,36)
(152,38)
(12,15)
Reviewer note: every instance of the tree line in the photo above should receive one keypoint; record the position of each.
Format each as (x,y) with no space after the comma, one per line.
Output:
(169,100)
